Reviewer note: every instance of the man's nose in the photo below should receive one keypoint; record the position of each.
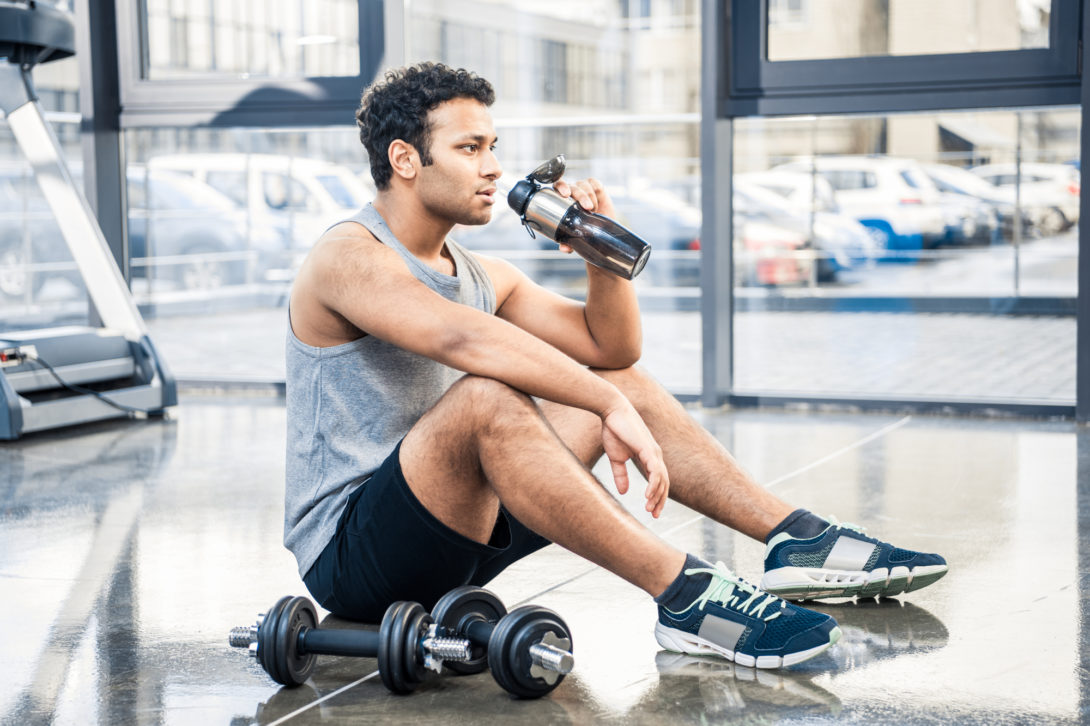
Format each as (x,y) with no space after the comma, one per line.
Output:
(492,169)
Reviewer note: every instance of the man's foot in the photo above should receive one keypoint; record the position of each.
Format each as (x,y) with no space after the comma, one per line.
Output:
(737,621)
(844,562)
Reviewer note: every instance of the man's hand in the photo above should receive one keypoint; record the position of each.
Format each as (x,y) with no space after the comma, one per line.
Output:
(625,436)
(591,196)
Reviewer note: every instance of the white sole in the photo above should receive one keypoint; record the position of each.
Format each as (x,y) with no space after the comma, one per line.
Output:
(681,642)
(810,583)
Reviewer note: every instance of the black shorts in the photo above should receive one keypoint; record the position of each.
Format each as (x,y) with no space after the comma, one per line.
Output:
(388,547)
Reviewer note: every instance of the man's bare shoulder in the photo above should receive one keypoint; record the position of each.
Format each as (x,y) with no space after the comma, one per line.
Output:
(346,237)
(346,251)
(337,268)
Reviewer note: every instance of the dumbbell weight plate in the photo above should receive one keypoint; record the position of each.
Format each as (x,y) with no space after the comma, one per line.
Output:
(266,640)
(403,627)
(458,607)
(417,623)
(293,666)
(509,650)
(389,662)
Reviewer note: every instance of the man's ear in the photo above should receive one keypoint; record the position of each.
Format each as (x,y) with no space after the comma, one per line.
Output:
(403,159)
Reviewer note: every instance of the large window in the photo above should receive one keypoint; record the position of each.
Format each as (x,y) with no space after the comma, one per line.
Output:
(903,176)
(906,197)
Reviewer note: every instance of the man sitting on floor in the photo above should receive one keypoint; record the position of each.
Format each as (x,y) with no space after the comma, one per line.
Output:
(444,412)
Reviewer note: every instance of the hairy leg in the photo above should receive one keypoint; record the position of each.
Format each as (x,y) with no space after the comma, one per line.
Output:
(484,444)
(703,474)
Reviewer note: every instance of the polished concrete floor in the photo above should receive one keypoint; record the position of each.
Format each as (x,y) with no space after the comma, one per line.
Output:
(131,548)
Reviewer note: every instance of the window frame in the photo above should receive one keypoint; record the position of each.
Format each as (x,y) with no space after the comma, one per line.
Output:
(226,102)
(757,86)
(738,80)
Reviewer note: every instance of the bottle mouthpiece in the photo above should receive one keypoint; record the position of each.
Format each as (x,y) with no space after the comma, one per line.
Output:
(520,195)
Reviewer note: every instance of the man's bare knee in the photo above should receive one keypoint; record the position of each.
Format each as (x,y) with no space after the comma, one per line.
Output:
(484,401)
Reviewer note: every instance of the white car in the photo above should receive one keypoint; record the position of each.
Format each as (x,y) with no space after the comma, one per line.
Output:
(956,180)
(1050,191)
(891,196)
(804,191)
(298,197)
(838,242)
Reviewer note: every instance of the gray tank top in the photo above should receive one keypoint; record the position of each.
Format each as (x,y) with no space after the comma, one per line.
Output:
(349,405)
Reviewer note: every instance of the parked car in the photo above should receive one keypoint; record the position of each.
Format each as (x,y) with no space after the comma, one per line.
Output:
(889,195)
(1051,191)
(184,231)
(179,229)
(969,220)
(793,200)
(298,197)
(804,191)
(672,228)
(769,255)
(955,180)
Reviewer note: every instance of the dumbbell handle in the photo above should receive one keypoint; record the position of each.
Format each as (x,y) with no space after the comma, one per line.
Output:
(354,643)
(328,641)
(365,643)
(549,657)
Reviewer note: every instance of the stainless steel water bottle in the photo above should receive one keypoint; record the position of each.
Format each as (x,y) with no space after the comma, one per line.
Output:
(597,239)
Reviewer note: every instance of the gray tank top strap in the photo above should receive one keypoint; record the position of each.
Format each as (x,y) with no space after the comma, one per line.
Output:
(467,266)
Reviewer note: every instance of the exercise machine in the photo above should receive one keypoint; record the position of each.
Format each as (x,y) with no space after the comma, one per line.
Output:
(74,374)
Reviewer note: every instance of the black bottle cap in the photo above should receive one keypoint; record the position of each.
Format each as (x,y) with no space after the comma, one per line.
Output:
(520,195)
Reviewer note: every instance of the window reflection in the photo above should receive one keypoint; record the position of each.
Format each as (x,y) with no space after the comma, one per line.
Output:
(277,39)
(816,29)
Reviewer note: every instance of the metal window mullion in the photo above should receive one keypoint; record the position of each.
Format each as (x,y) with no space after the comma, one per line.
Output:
(1082,335)
(716,264)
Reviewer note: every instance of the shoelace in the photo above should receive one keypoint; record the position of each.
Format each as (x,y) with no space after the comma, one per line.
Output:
(846,525)
(727,589)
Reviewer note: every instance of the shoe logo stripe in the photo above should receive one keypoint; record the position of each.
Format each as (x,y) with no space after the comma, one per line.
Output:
(720,631)
(849,554)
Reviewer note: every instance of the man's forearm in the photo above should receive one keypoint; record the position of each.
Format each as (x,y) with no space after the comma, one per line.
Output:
(613,316)
(487,346)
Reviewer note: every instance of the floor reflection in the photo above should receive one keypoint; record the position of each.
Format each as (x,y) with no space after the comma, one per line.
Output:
(873,630)
(709,690)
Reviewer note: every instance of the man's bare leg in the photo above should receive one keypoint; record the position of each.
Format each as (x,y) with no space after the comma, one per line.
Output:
(703,474)
(705,477)
(484,444)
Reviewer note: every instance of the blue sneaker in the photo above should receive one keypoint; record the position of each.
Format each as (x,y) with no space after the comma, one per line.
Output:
(735,620)
(843,562)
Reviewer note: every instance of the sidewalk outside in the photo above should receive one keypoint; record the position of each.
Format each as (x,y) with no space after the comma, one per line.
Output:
(889,355)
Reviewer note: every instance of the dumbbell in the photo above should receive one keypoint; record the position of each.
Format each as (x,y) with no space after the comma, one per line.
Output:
(528,650)
(287,640)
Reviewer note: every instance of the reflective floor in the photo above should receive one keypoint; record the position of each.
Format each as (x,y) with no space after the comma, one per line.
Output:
(131,548)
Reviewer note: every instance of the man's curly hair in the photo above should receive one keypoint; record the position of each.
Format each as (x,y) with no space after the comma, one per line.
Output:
(397,108)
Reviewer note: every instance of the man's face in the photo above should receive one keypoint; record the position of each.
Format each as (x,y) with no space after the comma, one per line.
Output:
(459,185)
